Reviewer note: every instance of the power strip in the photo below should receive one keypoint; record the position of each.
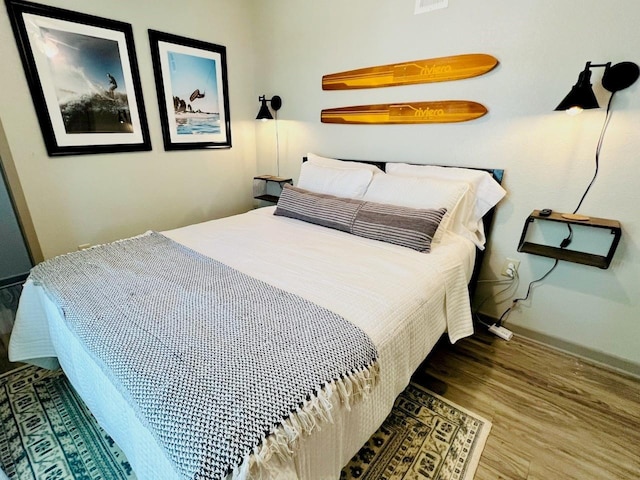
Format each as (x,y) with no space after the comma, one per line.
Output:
(501,332)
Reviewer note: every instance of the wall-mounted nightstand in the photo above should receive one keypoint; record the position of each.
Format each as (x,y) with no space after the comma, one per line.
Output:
(268,187)
(600,261)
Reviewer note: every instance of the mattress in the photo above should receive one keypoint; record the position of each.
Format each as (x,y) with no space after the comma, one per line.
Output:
(404,301)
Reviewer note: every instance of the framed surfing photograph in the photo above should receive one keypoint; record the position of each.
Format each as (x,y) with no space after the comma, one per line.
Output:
(83,77)
(191,81)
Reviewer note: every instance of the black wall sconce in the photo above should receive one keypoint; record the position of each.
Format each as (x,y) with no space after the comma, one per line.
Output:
(264,113)
(581,97)
(615,78)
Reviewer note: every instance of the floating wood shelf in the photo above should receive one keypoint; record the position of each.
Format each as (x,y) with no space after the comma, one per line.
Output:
(600,261)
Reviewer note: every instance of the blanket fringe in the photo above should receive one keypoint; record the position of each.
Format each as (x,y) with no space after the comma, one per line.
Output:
(283,440)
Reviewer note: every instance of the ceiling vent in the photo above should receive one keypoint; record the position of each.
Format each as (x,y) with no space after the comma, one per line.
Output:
(423,6)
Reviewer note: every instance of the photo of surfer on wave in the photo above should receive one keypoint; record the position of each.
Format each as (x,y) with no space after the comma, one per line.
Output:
(88,77)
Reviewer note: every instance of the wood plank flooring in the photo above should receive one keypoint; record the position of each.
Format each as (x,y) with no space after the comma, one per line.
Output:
(554,415)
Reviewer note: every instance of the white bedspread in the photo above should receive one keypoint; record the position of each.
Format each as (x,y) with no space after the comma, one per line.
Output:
(404,300)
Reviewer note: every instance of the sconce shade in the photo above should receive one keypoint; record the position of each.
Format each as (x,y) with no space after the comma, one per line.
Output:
(581,95)
(264,113)
(615,78)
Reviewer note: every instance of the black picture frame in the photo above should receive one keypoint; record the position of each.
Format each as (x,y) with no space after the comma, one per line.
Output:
(83,77)
(193,92)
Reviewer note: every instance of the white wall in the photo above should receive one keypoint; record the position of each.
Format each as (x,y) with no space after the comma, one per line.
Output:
(82,199)
(548,156)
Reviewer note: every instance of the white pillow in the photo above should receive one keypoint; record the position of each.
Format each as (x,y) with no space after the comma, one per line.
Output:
(340,182)
(488,192)
(484,190)
(419,193)
(332,162)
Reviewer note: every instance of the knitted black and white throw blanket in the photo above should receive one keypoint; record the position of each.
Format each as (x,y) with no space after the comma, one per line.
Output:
(224,369)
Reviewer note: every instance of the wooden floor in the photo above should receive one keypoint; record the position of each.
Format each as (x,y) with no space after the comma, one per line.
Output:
(554,416)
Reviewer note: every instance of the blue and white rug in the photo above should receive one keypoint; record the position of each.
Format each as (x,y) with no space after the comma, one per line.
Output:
(48,433)
(425,437)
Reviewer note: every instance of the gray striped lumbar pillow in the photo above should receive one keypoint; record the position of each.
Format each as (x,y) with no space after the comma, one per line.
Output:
(408,227)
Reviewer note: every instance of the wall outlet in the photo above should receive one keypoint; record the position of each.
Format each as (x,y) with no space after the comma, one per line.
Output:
(510,264)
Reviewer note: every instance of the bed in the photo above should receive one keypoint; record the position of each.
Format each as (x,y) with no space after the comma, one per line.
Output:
(402,298)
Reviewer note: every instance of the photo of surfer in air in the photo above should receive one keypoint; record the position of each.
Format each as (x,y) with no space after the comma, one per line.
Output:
(195,94)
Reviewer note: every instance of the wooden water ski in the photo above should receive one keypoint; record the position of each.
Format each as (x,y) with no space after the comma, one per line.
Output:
(445,111)
(430,70)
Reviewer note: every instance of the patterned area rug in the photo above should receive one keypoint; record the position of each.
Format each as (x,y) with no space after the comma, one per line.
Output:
(9,297)
(48,433)
(424,437)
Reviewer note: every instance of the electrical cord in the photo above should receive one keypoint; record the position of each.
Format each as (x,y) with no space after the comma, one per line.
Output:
(504,316)
(512,282)
(607,119)
(567,241)
(277,147)
(480,321)
(496,281)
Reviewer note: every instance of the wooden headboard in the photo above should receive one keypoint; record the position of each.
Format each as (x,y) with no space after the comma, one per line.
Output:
(487,220)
